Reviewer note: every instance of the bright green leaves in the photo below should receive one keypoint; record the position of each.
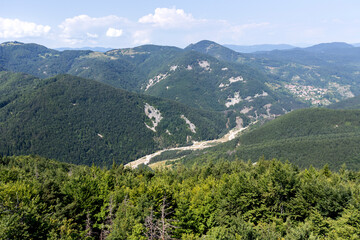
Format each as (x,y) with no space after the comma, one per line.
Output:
(43,199)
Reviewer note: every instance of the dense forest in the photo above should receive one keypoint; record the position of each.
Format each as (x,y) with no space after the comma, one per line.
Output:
(45,199)
(160,71)
(305,137)
(321,74)
(83,121)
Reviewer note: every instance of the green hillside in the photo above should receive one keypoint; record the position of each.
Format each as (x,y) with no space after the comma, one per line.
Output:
(123,68)
(304,137)
(127,68)
(202,81)
(35,59)
(182,75)
(83,121)
(13,85)
(318,75)
(304,123)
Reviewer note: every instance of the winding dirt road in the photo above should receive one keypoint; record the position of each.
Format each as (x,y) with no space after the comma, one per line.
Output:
(196,146)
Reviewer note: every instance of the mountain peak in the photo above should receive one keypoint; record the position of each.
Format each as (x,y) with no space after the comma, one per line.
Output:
(216,50)
(204,44)
(11,43)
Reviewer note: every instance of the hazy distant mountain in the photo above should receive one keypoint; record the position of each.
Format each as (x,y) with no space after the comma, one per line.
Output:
(258,48)
(356,44)
(350,103)
(95,49)
(322,47)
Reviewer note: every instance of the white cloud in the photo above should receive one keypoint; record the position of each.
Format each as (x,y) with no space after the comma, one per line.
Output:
(15,28)
(80,28)
(141,37)
(91,35)
(247,32)
(165,26)
(169,18)
(183,28)
(113,32)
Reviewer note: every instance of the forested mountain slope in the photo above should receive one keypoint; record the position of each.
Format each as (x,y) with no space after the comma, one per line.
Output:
(44,62)
(304,137)
(202,81)
(319,75)
(216,50)
(73,119)
(123,68)
(183,75)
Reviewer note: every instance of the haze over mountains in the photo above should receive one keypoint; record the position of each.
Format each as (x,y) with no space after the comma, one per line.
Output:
(258,48)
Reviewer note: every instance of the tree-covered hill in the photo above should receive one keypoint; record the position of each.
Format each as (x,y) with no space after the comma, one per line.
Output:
(319,75)
(42,62)
(128,68)
(304,137)
(35,59)
(304,123)
(13,85)
(123,68)
(83,121)
(216,50)
(182,75)
(201,81)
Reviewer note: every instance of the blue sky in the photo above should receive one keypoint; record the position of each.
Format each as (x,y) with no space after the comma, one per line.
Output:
(119,24)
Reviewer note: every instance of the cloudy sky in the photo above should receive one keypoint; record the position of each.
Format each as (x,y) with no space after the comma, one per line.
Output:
(119,24)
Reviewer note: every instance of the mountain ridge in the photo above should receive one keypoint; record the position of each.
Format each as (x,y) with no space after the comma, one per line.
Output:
(71,118)
(146,69)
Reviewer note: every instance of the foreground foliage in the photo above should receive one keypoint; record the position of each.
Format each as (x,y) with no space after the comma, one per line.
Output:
(44,199)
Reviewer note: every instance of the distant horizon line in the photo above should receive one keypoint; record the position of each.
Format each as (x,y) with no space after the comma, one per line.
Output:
(297,45)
